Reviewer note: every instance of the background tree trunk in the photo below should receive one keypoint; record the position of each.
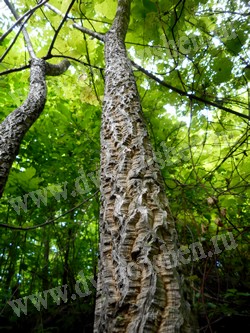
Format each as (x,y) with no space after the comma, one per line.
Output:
(18,122)
(137,291)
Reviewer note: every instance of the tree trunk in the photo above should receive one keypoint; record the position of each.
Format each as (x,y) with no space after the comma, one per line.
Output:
(18,122)
(14,127)
(137,291)
(45,245)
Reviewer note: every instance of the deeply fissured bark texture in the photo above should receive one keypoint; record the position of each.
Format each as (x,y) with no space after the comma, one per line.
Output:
(137,291)
(18,122)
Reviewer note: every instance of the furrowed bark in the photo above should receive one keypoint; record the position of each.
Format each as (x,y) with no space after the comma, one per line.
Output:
(137,290)
(17,123)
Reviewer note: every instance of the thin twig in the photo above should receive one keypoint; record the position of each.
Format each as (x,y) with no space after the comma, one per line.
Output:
(14,40)
(24,31)
(19,69)
(74,59)
(94,34)
(13,70)
(77,26)
(101,37)
(12,227)
(30,11)
(59,28)
(191,96)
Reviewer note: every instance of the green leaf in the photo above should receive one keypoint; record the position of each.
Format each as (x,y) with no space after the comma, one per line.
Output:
(234,45)
(223,68)
(107,10)
(149,6)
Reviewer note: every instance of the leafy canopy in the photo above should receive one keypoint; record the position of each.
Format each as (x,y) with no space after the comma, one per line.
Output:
(195,98)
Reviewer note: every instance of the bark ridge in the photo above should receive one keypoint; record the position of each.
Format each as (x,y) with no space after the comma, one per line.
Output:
(137,290)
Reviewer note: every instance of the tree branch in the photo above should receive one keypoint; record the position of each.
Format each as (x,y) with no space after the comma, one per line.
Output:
(24,31)
(77,26)
(101,37)
(13,41)
(191,96)
(18,122)
(91,33)
(13,70)
(12,227)
(30,11)
(74,59)
(59,28)
(121,21)
(55,70)
(223,12)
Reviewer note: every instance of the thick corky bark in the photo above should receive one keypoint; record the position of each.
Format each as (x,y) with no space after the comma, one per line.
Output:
(137,291)
(17,123)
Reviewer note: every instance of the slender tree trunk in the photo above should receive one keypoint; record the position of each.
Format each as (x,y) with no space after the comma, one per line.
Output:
(18,122)
(45,245)
(137,291)
(14,127)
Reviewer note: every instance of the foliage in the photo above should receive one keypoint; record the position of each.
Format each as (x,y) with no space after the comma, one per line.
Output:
(200,48)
